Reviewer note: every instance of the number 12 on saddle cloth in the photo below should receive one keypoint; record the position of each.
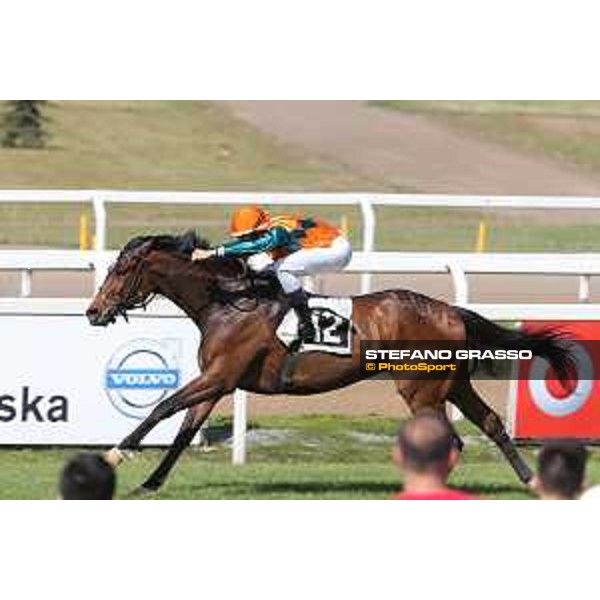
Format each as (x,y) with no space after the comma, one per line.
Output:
(332,318)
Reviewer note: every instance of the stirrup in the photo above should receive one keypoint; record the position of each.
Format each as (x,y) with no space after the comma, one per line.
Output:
(310,332)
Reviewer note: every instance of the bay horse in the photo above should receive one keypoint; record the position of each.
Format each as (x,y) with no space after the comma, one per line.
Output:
(238,317)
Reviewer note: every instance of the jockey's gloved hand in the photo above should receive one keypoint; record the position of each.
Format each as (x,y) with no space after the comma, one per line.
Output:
(202,254)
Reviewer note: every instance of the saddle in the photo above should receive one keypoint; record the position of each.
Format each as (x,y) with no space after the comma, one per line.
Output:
(256,285)
(332,316)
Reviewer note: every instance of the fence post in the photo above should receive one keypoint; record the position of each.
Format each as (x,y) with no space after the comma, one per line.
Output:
(583,294)
(240,418)
(99,238)
(461,286)
(368,234)
(26,283)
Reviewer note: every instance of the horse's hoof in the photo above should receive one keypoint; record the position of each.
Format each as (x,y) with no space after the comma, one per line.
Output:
(142,492)
(115,456)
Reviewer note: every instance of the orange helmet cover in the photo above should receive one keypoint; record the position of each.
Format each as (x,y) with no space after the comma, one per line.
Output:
(248,219)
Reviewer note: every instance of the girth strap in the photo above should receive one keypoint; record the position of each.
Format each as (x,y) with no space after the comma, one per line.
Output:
(286,379)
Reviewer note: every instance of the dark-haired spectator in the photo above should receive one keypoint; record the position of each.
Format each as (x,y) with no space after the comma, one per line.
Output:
(560,471)
(426,453)
(87,476)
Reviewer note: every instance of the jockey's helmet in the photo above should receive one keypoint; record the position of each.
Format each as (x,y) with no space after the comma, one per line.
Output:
(247,220)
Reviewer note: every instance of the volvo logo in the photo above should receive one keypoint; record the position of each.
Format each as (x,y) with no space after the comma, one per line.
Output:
(141,373)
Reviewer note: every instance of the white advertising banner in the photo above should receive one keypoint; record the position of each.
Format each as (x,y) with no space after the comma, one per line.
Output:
(65,382)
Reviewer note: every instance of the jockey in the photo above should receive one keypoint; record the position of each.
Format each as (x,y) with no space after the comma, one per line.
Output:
(290,247)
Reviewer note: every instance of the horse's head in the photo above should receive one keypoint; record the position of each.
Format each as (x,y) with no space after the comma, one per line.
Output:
(129,283)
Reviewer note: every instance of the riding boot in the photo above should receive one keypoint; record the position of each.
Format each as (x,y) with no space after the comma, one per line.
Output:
(306,329)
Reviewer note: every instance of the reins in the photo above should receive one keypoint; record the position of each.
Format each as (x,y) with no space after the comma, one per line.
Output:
(231,298)
(244,300)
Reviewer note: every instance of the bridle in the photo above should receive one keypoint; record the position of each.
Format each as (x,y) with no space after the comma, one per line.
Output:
(130,301)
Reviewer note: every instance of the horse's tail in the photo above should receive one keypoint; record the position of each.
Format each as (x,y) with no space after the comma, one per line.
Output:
(549,343)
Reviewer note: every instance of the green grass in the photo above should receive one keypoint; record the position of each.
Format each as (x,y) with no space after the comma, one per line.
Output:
(166,145)
(568,130)
(201,146)
(323,457)
(564,130)
(527,107)
(398,228)
(447,230)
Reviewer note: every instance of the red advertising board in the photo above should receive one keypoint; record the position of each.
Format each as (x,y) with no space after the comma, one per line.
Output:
(541,409)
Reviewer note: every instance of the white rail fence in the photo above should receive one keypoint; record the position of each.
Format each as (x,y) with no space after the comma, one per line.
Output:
(367,202)
(457,265)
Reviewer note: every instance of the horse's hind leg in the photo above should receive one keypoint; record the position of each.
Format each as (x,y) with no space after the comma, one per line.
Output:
(478,412)
(192,422)
(428,396)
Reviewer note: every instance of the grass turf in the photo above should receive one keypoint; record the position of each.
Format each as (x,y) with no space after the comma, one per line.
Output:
(587,108)
(565,130)
(167,145)
(397,229)
(201,146)
(163,145)
(292,457)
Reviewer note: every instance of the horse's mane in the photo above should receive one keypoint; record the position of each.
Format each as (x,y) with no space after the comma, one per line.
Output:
(185,243)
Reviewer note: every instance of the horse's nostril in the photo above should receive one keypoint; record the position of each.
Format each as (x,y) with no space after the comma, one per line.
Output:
(92,315)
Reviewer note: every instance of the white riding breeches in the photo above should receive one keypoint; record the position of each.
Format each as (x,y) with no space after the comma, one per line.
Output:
(310,261)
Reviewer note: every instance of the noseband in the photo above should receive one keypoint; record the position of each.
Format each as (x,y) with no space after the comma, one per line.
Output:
(129,301)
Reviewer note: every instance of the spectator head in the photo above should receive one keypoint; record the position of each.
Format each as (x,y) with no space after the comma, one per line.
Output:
(426,446)
(87,477)
(560,471)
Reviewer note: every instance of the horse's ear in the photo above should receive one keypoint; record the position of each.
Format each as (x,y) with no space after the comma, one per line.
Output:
(189,241)
(186,243)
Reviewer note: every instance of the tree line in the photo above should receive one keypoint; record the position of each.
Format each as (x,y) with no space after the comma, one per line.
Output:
(23,124)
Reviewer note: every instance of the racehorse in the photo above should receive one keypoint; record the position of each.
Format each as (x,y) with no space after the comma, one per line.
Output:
(238,315)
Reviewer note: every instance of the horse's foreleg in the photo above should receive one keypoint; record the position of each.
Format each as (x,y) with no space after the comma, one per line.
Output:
(202,389)
(194,419)
(458,442)
(478,412)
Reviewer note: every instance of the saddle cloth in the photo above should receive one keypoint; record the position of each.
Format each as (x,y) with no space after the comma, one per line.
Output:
(332,318)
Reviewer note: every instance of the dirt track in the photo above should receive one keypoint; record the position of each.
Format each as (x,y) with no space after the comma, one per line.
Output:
(410,151)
